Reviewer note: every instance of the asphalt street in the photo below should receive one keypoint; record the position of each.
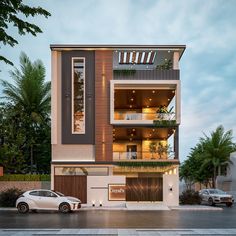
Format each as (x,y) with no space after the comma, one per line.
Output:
(121,219)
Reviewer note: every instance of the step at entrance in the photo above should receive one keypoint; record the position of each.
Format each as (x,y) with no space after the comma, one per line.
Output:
(147,206)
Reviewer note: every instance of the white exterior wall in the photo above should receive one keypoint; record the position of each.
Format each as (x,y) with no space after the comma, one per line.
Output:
(62,152)
(97,190)
(171,198)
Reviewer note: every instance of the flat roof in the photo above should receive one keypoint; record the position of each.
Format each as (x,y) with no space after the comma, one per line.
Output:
(114,46)
(66,47)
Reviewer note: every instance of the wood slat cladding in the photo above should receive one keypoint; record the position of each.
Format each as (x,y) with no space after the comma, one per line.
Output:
(75,186)
(144,189)
(103,129)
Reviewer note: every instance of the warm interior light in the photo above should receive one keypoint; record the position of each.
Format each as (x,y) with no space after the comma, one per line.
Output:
(133,129)
(130,139)
(133,91)
(130,106)
(150,99)
(131,99)
(153,130)
(147,106)
(153,91)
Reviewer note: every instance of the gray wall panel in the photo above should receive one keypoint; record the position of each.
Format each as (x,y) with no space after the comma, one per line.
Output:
(67,136)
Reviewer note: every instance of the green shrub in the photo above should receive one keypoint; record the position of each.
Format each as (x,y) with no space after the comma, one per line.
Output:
(25,177)
(9,196)
(190,197)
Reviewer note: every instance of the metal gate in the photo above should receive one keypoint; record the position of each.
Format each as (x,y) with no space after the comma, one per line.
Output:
(144,189)
(75,186)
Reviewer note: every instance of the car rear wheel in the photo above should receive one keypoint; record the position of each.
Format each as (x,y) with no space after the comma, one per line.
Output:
(210,202)
(229,204)
(64,208)
(23,207)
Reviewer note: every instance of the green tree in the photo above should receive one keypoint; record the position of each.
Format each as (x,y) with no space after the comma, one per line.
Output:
(29,97)
(216,150)
(12,12)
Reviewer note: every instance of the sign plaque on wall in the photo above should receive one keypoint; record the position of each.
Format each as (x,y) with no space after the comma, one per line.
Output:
(116,192)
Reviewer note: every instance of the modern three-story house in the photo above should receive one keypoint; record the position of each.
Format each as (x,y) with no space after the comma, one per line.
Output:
(115,122)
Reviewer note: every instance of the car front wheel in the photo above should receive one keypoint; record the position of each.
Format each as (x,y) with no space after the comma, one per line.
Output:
(229,204)
(210,201)
(23,207)
(64,208)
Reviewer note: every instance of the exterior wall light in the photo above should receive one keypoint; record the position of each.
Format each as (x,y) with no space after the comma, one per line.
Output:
(100,204)
(170,188)
(93,203)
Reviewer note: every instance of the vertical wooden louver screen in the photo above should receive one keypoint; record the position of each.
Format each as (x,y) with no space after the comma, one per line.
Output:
(103,129)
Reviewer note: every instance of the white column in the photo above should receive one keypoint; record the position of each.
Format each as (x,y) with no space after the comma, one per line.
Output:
(176,60)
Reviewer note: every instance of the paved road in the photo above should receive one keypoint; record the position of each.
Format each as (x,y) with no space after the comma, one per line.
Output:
(118,232)
(121,219)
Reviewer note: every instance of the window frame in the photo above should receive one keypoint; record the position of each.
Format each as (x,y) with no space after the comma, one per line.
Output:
(72,94)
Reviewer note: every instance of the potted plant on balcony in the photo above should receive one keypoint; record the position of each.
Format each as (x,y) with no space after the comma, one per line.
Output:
(163,149)
(153,148)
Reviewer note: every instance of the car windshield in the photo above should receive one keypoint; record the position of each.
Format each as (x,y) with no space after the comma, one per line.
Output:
(58,193)
(216,191)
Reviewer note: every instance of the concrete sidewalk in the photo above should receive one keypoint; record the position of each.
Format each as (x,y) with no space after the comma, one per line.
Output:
(116,232)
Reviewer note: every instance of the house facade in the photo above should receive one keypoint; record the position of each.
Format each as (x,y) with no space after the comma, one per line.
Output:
(115,122)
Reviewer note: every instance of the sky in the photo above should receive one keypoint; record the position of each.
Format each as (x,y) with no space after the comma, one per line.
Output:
(207,28)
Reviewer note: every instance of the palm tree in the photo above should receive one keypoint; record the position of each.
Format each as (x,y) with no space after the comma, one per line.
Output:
(216,150)
(29,94)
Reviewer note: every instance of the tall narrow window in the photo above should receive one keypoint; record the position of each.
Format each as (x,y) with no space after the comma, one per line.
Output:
(78,95)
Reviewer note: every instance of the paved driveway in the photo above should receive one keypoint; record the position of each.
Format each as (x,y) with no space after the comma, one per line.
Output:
(121,219)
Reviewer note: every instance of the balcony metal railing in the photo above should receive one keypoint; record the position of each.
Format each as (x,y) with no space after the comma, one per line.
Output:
(144,116)
(149,75)
(118,156)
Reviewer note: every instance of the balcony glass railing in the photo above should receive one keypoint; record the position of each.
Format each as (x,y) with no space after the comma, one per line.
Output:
(118,156)
(144,116)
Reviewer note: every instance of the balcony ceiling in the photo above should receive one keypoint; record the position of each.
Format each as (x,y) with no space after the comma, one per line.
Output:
(139,133)
(142,98)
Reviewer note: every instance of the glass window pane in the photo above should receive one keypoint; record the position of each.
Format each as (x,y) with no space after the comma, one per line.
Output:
(78,96)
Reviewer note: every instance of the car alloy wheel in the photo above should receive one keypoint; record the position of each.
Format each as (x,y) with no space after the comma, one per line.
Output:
(210,201)
(64,208)
(229,204)
(23,208)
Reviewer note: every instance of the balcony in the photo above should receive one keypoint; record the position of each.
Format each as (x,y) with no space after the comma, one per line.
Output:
(146,75)
(142,156)
(145,144)
(133,117)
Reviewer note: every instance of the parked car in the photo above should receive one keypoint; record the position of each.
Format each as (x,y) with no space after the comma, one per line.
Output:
(42,199)
(216,196)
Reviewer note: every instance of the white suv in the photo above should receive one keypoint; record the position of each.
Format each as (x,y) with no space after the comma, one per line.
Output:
(216,196)
(42,199)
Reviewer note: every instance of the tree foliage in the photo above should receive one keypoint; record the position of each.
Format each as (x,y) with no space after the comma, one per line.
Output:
(25,120)
(207,157)
(11,14)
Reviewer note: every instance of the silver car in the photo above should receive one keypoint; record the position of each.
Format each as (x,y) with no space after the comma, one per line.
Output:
(42,199)
(216,196)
